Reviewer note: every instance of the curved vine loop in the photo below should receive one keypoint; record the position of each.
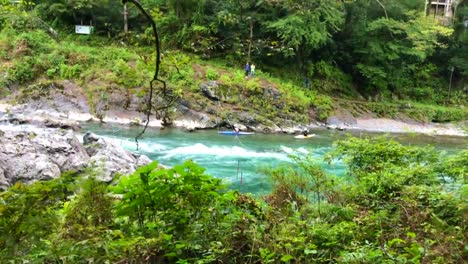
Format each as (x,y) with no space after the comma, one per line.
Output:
(164,92)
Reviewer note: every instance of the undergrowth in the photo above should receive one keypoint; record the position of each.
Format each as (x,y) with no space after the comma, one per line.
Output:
(396,204)
(99,64)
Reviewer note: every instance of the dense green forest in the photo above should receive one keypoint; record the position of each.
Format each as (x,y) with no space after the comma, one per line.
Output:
(388,49)
(397,204)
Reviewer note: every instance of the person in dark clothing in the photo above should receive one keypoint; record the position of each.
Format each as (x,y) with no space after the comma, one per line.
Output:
(247,69)
(305,133)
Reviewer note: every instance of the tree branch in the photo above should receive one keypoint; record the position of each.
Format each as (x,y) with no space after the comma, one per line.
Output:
(167,95)
(383,7)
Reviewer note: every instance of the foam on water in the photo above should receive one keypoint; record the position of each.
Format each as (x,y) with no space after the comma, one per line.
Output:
(228,158)
(221,151)
(287,150)
(144,146)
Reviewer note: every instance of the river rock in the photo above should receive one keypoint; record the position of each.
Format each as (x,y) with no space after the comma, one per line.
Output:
(3,181)
(109,158)
(28,154)
(341,120)
(271,93)
(142,160)
(209,89)
(193,120)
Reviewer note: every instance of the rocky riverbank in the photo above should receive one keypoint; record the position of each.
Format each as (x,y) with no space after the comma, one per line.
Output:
(29,153)
(63,105)
(24,114)
(38,142)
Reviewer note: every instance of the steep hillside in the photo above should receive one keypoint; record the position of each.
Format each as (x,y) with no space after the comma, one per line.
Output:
(110,80)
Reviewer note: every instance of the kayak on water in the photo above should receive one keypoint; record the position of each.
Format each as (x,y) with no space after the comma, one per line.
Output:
(302,136)
(234,133)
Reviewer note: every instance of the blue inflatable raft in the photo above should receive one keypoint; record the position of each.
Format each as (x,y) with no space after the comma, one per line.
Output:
(233,133)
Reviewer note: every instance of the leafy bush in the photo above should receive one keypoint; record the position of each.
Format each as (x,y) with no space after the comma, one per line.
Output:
(254,86)
(211,74)
(69,72)
(384,109)
(125,75)
(450,114)
(393,204)
(226,80)
(28,216)
(22,70)
(323,106)
(34,41)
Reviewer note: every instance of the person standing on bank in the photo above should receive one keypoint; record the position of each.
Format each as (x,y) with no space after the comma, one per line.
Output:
(252,70)
(247,69)
(307,82)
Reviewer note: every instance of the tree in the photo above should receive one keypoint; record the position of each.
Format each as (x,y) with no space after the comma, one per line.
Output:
(306,27)
(390,47)
(458,47)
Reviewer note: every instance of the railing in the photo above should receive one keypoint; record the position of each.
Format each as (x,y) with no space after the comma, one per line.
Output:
(441,2)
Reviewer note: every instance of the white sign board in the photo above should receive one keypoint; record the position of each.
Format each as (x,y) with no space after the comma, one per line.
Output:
(465,23)
(86,30)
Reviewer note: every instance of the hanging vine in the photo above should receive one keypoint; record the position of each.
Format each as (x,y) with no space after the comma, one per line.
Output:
(164,93)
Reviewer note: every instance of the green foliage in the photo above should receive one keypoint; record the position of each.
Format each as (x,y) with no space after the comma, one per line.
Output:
(323,106)
(84,232)
(126,75)
(383,167)
(89,214)
(299,185)
(385,48)
(22,70)
(397,203)
(384,109)
(28,216)
(69,72)
(420,112)
(30,42)
(458,54)
(183,189)
(254,86)
(307,29)
(212,74)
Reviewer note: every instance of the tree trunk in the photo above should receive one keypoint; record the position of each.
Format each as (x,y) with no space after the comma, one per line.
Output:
(251,37)
(125,14)
(240,11)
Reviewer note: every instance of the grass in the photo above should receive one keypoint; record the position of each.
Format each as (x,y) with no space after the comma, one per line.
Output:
(97,64)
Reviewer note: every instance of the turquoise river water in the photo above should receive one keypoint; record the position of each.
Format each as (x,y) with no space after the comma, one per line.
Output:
(239,160)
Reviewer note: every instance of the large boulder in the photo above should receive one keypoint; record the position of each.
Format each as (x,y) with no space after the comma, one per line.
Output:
(212,91)
(271,93)
(28,153)
(341,120)
(208,89)
(110,158)
(192,119)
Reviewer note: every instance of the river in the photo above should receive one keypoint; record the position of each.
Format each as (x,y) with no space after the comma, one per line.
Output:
(239,160)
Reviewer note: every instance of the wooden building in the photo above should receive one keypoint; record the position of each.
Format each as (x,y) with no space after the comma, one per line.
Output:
(441,9)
